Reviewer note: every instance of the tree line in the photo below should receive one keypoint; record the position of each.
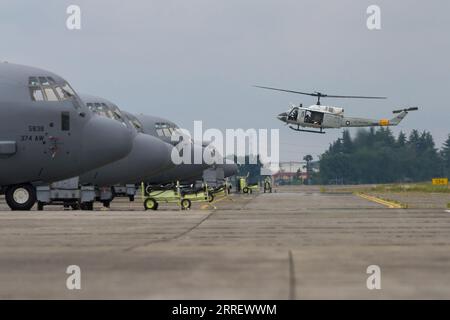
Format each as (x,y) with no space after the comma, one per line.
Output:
(377,156)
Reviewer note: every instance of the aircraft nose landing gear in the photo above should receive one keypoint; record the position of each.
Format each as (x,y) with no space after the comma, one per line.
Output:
(20,197)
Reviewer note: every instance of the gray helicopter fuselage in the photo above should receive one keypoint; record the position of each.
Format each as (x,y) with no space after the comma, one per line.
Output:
(46,133)
(323,117)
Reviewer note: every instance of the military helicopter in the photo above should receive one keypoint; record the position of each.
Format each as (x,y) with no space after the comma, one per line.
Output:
(321,117)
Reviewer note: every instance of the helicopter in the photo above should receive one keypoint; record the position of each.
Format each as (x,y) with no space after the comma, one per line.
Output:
(318,117)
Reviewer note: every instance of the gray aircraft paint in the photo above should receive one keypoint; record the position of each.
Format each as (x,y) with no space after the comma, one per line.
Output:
(183,172)
(148,156)
(36,148)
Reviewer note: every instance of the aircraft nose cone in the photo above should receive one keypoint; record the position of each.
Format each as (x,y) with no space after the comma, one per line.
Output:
(153,155)
(104,141)
(282,116)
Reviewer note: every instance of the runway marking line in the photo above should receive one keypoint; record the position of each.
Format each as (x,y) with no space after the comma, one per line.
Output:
(211,204)
(389,204)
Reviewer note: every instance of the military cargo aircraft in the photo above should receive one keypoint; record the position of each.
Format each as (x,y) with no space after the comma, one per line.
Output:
(48,134)
(148,156)
(185,173)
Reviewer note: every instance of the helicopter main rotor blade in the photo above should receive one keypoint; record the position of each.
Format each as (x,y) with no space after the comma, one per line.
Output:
(291,91)
(352,97)
(320,94)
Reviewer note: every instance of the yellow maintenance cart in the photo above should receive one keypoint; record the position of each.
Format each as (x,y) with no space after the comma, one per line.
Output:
(244,187)
(184,197)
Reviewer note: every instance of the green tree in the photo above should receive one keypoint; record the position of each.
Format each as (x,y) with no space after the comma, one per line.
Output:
(376,156)
(445,154)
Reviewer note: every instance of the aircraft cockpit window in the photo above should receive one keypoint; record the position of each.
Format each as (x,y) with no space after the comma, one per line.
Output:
(44,81)
(104,110)
(164,129)
(136,123)
(97,108)
(36,94)
(108,113)
(68,90)
(51,95)
(61,93)
(46,89)
(117,114)
(33,81)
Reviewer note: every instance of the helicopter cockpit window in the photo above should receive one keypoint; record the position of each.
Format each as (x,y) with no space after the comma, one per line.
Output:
(293,115)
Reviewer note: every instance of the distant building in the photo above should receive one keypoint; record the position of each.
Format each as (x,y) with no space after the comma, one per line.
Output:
(293,172)
(290,172)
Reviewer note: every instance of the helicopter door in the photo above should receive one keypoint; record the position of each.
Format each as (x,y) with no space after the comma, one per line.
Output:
(313,117)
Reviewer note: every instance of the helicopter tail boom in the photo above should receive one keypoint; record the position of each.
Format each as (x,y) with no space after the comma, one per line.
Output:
(362,122)
(401,114)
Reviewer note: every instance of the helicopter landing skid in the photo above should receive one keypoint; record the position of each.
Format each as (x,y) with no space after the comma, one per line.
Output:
(304,130)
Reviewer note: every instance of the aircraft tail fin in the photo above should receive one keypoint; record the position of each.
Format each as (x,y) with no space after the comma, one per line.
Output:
(401,114)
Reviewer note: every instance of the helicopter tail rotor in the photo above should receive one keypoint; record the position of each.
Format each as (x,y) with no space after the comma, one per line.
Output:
(405,110)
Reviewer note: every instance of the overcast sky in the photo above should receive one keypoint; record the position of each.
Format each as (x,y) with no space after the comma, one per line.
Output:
(198,59)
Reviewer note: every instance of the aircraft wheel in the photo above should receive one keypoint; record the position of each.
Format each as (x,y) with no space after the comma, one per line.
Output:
(131,198)
(40,205)
(87,206)
(150,204)
(245,190)
(185,204)
(21,197)
(210,197)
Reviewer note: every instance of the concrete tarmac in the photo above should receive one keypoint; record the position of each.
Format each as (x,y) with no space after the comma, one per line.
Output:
(297,243)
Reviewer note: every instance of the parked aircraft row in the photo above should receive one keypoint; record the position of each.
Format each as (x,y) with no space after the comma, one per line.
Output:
(49,133)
